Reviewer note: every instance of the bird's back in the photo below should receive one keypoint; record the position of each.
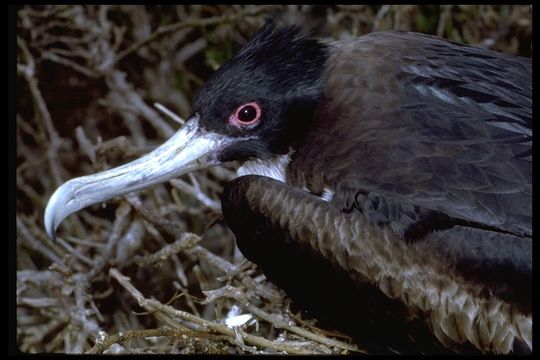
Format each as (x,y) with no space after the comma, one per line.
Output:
(422,122)
(432,139)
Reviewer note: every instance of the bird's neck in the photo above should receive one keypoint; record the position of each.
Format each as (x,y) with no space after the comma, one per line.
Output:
(274,167)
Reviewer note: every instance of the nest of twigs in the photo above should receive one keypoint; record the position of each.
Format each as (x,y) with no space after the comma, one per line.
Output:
(158,271)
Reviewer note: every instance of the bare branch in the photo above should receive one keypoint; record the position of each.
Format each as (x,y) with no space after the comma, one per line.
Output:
(153,305)
(186,241)
(169,113)
(232,292)
(163,30)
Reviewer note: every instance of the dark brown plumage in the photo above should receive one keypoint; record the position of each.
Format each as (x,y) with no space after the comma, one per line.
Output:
(432,136)
(442,126)
(400,209)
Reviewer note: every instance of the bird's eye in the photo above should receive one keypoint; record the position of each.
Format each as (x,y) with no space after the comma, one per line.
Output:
(247,114)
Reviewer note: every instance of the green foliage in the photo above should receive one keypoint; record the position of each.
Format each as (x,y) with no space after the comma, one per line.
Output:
(428,18)
(216,55)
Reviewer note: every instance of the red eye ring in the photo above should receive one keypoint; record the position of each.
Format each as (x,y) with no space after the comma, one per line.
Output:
(246,114)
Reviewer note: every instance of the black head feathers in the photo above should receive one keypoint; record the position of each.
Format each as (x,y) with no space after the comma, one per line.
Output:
(279,58)
(287,55)
(281,69)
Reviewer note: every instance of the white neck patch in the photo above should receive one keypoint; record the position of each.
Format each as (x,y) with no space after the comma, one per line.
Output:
(274,167)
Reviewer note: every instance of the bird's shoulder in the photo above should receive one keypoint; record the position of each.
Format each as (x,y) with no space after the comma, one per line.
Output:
(410,119)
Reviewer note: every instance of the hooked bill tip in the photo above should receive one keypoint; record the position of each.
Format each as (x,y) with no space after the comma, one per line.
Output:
(52,235)
(59,206)
(48,219)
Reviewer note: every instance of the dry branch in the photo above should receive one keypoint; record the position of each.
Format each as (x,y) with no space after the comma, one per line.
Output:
(154,305)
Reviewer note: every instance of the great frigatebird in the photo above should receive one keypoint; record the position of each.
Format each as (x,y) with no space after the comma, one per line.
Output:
(391,172)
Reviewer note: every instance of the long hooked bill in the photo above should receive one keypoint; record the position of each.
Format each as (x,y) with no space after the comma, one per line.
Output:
(189,149)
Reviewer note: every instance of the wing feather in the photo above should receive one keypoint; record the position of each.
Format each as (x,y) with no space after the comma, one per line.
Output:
(426,124)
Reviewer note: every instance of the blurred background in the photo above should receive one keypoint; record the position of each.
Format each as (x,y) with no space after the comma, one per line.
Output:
(87,81)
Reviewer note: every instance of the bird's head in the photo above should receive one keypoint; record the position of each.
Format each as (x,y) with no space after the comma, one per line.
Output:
(254,106)
(262,98)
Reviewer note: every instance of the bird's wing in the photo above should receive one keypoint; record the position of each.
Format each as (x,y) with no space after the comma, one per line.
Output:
(313,250)
(423,134)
